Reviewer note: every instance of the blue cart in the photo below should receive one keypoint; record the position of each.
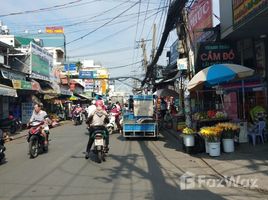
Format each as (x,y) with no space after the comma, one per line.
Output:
(140,122)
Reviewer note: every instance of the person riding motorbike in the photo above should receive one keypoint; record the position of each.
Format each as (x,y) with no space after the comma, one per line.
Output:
(97,121)
(41,115)
(92,108)
(116,110)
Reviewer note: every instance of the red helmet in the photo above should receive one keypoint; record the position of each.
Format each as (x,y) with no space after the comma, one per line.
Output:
(99,103)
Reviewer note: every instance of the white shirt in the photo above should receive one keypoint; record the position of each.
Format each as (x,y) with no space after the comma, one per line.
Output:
(40,116)
(91,109)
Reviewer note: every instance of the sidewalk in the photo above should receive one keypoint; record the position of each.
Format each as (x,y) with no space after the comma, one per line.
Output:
(247,162)
(24,133)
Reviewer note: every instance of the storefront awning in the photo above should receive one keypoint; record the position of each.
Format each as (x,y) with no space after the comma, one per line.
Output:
(7,91)
(83,96)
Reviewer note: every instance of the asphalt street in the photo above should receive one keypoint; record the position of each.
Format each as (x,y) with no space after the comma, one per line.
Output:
(135,169)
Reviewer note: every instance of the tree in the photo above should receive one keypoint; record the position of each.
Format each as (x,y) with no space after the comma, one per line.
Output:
(78,66)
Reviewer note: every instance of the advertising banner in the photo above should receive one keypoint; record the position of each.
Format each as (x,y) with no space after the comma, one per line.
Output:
(210,53)
(41,62)
(55,30)
(243,10)
(200,17)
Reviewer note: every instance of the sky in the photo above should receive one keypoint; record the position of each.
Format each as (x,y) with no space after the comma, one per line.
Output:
(107,31)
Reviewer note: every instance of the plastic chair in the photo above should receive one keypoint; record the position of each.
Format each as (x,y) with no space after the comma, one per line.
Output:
(258,132)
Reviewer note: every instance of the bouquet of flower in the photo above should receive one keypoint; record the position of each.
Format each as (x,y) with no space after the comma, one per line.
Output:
(211,114)
(188,131)
(212,134)
(220,115)
(229,130)
(199,116)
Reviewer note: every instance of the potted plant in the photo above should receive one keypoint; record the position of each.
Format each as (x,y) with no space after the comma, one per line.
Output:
(229,131)
(212,135)
(188,137)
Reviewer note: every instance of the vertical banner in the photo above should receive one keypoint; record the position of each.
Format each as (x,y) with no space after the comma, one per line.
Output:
(200,17)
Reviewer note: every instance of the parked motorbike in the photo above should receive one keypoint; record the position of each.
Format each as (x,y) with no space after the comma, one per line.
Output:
(77,117)
(10,124)
(35,139)
(99,144)
(2,147)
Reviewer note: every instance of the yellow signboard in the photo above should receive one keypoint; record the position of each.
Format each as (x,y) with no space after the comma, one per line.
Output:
(16,84)
(245,8)
(55,30)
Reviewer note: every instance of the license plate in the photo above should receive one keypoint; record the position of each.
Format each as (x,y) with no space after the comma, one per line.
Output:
(99,142)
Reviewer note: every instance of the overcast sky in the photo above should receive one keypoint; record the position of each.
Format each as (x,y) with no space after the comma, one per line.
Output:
(113,42)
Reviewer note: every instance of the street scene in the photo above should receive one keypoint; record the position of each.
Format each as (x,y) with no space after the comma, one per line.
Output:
(133,99)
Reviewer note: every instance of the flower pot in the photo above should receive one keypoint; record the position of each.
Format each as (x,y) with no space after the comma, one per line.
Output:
(228,145)
(188,140)
(206,145)
(214,148)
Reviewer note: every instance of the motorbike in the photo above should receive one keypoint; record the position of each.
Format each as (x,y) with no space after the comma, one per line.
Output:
(77,117)
(111,126)
(2,147)
(99,144)
(35,139)
(11,124)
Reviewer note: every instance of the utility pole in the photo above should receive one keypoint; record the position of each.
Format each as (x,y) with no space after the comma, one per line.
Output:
(143,46)
(181,107)
(153,42)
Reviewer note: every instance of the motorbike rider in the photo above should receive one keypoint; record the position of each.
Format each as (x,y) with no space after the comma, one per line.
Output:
(41,115)
(92,108)
(97,121)
(77,109)
(116,110)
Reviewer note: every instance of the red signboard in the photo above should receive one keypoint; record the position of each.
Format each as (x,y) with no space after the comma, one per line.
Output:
(200,17)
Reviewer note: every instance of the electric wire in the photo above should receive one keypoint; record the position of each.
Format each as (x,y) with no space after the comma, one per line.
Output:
(89,33)
(111,35)
(51,8)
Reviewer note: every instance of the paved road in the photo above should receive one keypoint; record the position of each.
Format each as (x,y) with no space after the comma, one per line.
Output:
(135,169)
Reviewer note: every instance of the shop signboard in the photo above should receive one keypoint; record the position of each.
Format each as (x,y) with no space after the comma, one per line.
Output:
(244,10)
(102,73)
(8,74)
(182,63)
(89,85)
(87,74)
(26,112)
(174,55)
(41,62)
(21,84)
(54,30)
(70,67)
(200,17)
(210,53)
